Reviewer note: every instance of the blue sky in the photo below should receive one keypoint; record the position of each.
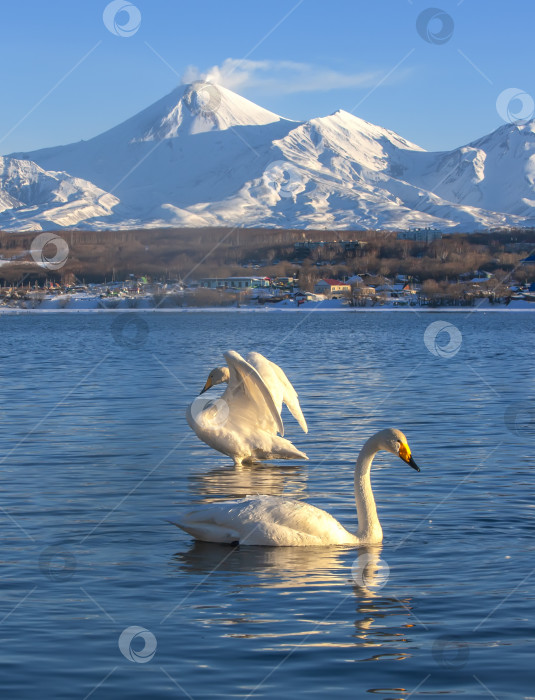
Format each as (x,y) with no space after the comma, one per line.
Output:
(65,76)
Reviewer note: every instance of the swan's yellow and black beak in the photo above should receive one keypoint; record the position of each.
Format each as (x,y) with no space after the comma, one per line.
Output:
(207,385)
(405,454)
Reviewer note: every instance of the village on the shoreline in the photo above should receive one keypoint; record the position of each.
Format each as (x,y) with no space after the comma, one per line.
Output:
(416,269)
(254,291)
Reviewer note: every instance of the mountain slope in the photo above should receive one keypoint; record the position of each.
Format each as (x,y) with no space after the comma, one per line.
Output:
(34,199)
(203,155)
(496,171)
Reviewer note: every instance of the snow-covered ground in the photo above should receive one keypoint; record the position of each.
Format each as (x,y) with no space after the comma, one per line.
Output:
(204,156)
(73,303)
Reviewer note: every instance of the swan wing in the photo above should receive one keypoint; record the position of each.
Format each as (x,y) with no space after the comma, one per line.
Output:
(279,385)
(249,399)
(264,520)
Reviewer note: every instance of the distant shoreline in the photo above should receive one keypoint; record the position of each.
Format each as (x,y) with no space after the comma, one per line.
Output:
(272,311)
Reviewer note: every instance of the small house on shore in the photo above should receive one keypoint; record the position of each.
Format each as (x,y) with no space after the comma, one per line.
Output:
(234,282)
(330,287)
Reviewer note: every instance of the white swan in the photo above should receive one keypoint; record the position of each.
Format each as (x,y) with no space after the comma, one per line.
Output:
(243,423)
(273,521)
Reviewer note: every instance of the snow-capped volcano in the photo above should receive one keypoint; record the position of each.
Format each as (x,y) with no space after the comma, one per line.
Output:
(199,107)
(203,155)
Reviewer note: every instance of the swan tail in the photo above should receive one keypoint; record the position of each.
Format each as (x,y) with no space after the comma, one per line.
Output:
(283,449)
(208,531)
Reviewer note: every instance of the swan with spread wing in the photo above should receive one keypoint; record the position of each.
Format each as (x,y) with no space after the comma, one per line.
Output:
(245,421)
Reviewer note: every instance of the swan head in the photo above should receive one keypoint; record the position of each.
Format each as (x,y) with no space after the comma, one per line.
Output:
(216,376)
(392,440)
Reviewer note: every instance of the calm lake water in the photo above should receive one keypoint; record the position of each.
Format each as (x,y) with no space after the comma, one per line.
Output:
(96,455)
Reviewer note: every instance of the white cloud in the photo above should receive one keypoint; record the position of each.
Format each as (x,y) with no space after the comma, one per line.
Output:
(280,77)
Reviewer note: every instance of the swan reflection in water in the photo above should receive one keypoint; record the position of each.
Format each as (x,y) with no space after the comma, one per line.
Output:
(356,573)
(248,479)
(271,567)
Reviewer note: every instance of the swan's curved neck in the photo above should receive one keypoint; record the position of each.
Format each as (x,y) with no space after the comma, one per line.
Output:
(369,529)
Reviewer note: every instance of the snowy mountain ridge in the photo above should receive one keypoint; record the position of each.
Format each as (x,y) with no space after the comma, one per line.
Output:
(205,156)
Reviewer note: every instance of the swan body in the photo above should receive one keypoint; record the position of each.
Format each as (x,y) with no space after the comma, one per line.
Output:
(281,522)
(243,423)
